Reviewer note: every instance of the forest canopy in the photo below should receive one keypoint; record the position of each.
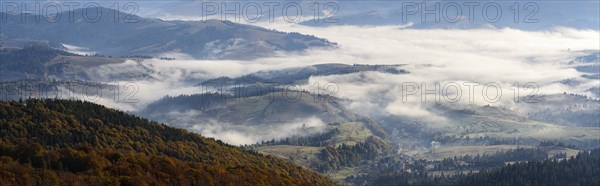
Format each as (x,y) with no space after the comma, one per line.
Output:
(70,142)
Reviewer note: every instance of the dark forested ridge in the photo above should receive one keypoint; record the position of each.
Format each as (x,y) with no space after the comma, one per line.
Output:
(582,169)
(29,61)
(47,142)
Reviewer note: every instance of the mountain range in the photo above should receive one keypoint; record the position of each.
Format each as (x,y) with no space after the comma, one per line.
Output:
(109,32)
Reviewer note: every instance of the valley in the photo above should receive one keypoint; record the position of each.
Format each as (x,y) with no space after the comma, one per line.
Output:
(367,101)
(319,131)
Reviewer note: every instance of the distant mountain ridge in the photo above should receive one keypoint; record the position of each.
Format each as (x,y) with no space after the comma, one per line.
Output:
(110,32)
(43,62)
(300,75)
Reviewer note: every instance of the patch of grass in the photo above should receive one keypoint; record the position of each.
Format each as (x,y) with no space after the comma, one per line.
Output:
(350,134)
(341,174)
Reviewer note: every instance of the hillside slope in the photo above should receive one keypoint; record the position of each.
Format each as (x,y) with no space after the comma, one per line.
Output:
(256,115)
(43,62)
(263,107)
(80,143)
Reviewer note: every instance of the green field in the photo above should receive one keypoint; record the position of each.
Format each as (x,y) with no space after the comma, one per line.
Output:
(350,134)
(451,151)
(342,173)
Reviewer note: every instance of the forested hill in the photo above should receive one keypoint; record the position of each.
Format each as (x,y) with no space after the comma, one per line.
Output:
(80,143)
(584,169)
(28,62)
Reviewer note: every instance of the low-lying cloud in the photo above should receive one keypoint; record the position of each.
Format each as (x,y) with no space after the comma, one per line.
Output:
(501,56)
(245,134)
